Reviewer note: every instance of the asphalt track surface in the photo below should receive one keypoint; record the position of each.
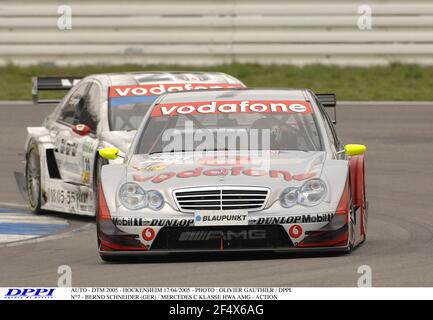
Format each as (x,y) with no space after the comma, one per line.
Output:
(399,248)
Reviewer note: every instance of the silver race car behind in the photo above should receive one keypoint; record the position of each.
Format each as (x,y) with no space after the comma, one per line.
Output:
(99,111)
(233,170)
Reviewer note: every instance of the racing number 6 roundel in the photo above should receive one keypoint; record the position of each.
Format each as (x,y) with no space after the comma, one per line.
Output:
(295,231)
(148,234)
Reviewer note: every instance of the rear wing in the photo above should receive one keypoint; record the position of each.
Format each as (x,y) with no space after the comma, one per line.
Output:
(329,100)
(51,84)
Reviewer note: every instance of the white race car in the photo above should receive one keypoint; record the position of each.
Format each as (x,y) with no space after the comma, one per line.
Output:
(234,170)
(61,157)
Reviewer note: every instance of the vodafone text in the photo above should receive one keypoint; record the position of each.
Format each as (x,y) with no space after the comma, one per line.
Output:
(158,89)
(235,171)
(225,107)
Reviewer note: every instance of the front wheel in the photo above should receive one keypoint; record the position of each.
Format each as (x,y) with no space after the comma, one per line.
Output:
(33,179)
(365,222)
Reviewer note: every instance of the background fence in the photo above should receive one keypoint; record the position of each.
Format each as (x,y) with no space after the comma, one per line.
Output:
(214,32)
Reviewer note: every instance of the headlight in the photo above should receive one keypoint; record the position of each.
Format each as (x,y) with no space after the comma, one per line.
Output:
(155,200)
(289,197)
(310,194)
(132,196)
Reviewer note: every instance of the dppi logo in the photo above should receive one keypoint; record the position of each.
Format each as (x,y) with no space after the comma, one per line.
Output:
(16,293)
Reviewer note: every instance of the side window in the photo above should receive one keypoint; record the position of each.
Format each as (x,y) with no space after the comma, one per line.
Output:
(67,114)
(88,112)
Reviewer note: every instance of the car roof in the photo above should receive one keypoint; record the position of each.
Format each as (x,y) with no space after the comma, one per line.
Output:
(236,94)
(137,78)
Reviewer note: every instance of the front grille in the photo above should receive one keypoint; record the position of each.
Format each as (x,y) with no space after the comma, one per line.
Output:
(224,198)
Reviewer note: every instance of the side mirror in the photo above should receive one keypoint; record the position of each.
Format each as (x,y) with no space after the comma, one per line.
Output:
(109,153)
(81,129)
(355,149)
(329,100)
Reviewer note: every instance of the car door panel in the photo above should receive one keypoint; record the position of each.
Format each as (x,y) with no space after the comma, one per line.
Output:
(87,145)
(67,143)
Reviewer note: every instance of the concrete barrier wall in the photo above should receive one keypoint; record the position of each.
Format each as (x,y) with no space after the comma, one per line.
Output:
(214,32)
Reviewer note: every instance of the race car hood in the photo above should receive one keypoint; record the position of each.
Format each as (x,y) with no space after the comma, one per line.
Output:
(118,139)
(276,170)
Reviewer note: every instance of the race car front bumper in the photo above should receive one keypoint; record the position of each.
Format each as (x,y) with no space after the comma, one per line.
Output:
(143,237)
(155,253)
(271,238)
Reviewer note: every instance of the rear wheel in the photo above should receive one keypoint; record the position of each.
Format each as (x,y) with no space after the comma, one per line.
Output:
(33,178)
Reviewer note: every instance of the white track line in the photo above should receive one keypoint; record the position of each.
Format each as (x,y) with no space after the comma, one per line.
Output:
(8,238)
(10,205)
(38,239)
(15,102)
(15,218)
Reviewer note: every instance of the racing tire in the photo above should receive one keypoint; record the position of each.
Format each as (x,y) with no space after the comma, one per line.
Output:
(365,204)
(365,222)
(351,227)
(33,179)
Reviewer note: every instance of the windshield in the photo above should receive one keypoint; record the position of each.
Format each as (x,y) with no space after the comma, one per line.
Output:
(128,112)
(230,125)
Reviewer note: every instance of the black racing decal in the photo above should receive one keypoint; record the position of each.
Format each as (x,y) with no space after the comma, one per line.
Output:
(326,217)
(65,197)
(53,169)
(142,222)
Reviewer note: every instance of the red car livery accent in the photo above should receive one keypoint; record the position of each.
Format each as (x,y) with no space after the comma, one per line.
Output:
(224,107)
(235,171)
(158,89)
(295,231)
(148,234)
(356,165)
(106,228)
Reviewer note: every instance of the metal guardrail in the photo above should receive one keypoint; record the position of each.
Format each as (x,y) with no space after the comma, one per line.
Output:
(211,32)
